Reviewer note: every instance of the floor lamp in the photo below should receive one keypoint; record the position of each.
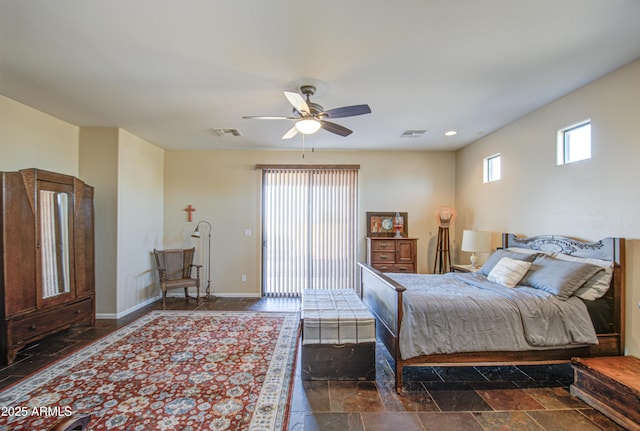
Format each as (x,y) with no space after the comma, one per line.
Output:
(196,234)
(445,217)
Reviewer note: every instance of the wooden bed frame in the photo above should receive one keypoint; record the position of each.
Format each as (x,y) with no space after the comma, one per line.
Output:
(384,298)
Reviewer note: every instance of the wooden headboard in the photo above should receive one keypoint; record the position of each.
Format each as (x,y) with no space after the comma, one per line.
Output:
(611,249)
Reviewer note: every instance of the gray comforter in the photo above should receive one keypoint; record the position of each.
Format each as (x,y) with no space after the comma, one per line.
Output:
(466,313)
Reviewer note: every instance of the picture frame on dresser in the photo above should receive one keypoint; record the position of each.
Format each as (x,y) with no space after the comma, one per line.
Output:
(382,224)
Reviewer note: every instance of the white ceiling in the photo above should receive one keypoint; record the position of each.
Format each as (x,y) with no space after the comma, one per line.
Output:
(170,71)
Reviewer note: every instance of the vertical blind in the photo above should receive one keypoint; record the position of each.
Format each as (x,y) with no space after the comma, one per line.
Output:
(309,229)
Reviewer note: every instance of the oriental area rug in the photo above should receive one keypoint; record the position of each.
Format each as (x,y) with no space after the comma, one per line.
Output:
(169,370)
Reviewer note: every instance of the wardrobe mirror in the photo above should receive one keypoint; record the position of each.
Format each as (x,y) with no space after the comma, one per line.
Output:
(54,242)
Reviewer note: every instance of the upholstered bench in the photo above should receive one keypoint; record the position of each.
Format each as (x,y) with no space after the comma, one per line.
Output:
(338,336)
(610,385)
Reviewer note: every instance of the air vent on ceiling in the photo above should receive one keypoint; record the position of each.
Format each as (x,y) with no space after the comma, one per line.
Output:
(412,133)
(226,132)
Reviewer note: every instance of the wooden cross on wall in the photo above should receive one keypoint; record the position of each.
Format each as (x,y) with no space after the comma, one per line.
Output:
(189,209)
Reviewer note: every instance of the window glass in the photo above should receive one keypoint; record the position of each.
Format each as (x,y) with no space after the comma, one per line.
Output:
(492,168)
(574,143)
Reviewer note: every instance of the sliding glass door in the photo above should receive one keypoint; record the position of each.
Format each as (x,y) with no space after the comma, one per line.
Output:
(309,227)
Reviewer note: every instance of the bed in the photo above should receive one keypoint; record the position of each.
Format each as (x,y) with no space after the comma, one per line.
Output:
(427,319)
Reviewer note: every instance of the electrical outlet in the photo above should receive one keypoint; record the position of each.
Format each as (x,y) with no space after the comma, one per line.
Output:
(244,278)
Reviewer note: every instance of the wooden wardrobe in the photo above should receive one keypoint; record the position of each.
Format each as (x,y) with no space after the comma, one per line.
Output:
(47,257)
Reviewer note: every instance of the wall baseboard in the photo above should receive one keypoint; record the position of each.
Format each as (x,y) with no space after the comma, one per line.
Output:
(169,295)
(129,311)
(238,295)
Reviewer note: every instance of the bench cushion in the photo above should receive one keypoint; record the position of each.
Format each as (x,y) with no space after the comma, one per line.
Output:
(335,316)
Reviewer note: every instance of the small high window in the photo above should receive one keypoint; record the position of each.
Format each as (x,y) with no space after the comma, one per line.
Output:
(492,168)
(574,143)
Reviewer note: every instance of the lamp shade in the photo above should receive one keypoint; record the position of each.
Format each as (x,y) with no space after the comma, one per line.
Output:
(308,126)
(476,241)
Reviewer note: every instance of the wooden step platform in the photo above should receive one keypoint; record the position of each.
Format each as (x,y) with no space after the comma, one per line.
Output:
(610,385)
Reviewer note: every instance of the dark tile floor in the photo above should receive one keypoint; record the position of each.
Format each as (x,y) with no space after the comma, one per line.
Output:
(437,398)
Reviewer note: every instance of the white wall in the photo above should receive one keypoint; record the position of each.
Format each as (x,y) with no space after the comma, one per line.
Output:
(32,139)
(590,199)
(225,189)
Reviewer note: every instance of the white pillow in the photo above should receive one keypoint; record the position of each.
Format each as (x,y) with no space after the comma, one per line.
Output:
(596,286)
(508,272)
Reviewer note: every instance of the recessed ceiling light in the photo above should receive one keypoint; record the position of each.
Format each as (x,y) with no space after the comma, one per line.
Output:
(450,133)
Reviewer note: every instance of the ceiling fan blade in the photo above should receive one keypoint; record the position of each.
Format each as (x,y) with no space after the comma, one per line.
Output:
(262,117)
(290,133)
(298,102)
(348,111)
(335,128)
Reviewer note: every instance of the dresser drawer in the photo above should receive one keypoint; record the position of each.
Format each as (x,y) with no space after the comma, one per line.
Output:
(392,254)
(383,245)
(50,321)
(395,267)
(383,257)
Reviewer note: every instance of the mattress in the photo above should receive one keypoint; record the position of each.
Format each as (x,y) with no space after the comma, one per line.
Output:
(453,313)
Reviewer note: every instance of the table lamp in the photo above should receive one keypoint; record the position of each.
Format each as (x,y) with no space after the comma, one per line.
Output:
(475,242)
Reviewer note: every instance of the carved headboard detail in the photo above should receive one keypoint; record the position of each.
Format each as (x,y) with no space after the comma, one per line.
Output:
(605,249)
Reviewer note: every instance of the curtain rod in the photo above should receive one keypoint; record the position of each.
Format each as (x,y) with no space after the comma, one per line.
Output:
(351,167)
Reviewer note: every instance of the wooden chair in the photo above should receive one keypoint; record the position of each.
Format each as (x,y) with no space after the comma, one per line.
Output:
(72,423)
(175,268)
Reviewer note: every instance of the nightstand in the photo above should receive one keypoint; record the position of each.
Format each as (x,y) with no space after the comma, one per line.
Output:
(464,268)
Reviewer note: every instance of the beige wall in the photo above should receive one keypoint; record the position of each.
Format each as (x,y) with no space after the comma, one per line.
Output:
(127,173)
(32,139)
(591,199)
(140,206)
(225,189)
(99,167)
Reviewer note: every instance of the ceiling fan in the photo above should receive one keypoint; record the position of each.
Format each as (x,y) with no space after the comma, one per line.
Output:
(310,117)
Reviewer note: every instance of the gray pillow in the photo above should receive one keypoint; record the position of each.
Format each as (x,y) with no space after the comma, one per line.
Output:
(559,277)
(499,254)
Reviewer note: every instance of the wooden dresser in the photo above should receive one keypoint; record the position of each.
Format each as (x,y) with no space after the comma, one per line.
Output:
(47,278)
(392,254)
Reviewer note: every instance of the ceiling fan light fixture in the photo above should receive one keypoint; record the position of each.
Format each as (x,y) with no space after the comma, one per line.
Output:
(308,126)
